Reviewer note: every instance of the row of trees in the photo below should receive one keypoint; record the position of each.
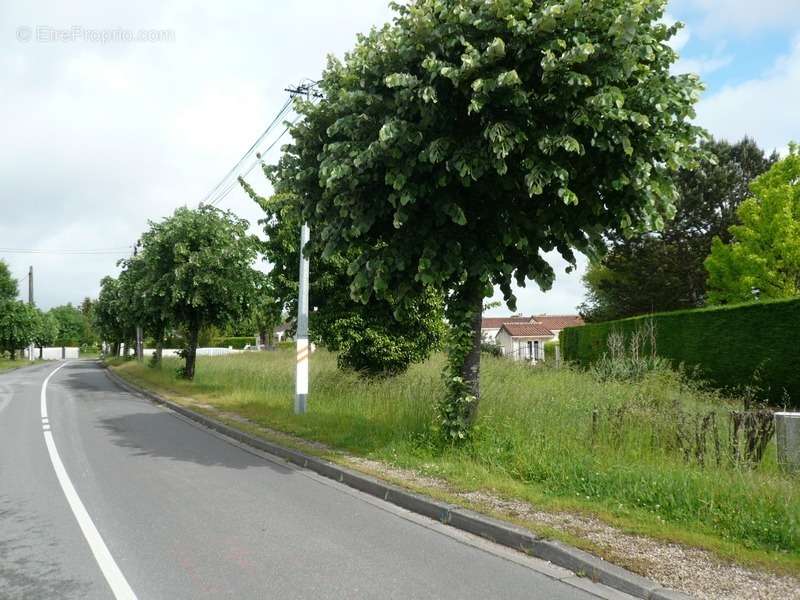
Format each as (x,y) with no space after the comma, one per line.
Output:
(191,271)
(455,146)
(22,324)
(734,238)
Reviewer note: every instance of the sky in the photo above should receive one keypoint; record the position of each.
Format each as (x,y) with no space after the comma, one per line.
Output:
(102,131)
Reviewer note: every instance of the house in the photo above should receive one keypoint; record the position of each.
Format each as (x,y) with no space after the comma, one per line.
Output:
(490,326)
(523,338)
(556,323)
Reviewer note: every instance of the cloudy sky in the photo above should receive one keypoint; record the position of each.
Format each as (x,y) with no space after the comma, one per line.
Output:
(101,133)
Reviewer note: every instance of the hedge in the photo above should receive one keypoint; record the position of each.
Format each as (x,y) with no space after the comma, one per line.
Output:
(235,342)
(754,344)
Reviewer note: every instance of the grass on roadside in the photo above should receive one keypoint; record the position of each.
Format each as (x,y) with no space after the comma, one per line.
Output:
(560,439)
(8,364)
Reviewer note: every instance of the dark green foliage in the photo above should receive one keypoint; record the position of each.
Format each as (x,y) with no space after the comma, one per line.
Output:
(74,329)
(491,349)
(235,342)
(18,325)
(370,340)
(746,345)
(661,271)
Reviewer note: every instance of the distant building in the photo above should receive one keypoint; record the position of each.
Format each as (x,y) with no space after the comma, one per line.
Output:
(523,338)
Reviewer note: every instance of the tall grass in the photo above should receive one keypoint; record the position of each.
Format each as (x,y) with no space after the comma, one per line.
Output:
(624,448)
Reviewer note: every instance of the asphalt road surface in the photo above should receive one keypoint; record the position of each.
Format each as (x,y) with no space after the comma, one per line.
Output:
(105,495)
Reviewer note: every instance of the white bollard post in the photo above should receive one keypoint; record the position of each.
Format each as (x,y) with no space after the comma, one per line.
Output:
(787,440)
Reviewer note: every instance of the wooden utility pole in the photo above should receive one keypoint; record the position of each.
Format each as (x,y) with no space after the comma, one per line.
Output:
(30,301)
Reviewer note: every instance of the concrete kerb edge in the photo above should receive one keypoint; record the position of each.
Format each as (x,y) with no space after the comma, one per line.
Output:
(505,534)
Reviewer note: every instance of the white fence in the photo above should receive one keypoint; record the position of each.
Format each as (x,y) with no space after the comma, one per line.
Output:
(55,353)
(172,352)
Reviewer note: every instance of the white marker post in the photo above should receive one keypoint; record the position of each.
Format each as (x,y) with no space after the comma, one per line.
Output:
(303,349)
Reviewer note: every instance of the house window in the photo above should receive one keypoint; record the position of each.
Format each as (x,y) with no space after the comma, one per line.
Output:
(536,350)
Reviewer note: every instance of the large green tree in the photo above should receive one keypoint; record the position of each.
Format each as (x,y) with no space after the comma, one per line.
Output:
(18,323)
(373,337)
(8,285)
(456,146)
(664,270)
(763,259)
(199,271)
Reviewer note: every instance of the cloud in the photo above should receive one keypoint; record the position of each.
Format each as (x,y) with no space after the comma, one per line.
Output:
(702,65)
(765,108)
(741,17)
(98,138)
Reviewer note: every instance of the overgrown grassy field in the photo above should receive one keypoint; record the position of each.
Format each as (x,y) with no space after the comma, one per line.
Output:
(630,453)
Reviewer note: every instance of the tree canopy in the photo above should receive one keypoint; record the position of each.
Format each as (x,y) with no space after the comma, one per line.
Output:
(18,323)
(455,146)
(763,258)
(664,270)
(197,269)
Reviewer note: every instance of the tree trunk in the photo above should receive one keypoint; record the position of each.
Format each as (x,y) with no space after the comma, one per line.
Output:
(262,338)
(41,350)
(191,352)
(13,353)
(471,369)
(159,349)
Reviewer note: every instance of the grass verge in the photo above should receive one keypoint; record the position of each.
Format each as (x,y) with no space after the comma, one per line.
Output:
(558,439)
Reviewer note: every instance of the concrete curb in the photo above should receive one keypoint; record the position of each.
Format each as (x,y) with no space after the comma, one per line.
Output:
(505,534)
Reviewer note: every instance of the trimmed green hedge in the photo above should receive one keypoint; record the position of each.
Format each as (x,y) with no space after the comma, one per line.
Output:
(729,344)
(236,342)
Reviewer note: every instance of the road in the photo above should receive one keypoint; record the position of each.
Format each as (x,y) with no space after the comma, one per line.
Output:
(111,496)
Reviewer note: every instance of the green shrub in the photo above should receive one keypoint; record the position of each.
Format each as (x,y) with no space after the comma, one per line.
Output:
(235,342)
(742,346)
(492,349)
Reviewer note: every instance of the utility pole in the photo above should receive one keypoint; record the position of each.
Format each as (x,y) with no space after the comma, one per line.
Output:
(30,301)
(303,350)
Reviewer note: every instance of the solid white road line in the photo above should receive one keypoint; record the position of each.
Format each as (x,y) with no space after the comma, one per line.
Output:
(116,580)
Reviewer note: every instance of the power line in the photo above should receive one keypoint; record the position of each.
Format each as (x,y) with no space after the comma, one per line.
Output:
(285,109)
(117,250)
(220,197)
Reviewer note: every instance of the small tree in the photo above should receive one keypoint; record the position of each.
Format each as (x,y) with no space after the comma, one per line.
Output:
(199,272)
(17,326)
(763,260)
(46,331)
(455,146)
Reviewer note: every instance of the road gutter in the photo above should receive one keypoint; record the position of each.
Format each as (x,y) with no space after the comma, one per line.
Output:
(506,534)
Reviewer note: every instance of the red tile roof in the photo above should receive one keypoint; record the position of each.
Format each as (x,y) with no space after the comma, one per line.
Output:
(527,330)
(558,322)
(496,322)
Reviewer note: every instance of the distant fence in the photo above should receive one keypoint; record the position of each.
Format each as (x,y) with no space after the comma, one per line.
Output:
(167,352)
(733,346)
(55,353)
